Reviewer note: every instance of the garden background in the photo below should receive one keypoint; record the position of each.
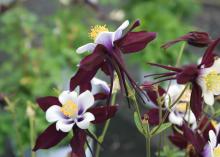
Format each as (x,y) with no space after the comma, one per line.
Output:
(38,39)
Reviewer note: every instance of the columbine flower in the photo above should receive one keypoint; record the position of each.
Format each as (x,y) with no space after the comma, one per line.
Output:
(212,149)
(106,55)
(209,80)
(71,112)
(101,85)
(181,111)
(101,35)
(201,77)
(198,39)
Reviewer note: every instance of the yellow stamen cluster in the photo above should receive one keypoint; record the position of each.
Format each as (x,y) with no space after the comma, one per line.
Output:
(96,30)
(69,109)
(214,123)
(184,101)
(216,152)
(212,81)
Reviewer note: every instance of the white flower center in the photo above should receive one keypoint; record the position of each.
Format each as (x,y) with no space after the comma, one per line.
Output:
(212,81)
(95,31)
(69,109)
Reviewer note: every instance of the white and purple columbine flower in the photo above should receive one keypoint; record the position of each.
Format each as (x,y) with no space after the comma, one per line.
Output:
(209,81)
(99,85)
(212,148)
(180,112)
(72,112)
(101,35)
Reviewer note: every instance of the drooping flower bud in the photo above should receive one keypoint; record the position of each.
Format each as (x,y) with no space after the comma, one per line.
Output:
(197,39)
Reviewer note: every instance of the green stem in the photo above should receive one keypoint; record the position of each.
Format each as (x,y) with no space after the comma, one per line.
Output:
(32,135)
(167,113)
(148,145)
(106,126)
(180,54)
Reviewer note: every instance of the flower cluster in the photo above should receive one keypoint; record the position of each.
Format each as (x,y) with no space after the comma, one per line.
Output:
(190,87)
(181,104)
(75,112)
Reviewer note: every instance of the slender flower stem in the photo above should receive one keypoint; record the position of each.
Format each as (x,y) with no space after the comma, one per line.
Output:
(148,142)
(106,126)
(32,134)
(148,145)
(167,113)
(180,53)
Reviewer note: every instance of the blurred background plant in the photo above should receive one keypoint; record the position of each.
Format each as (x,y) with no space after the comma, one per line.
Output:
(37,52)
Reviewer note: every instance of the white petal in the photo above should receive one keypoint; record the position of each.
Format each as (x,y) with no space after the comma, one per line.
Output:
(208,98)
(207,152)
(85,101)
(212,138)
(118,32)
(88,47)
(53,114)
(67,95)
(73,95)
(173,93)
(106,39)
(190,117)
(64,126)
(216,65)
(101,83)
(174,119)
(87,118)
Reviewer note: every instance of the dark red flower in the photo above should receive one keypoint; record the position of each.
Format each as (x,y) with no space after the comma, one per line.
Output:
(189,74)
(108,58)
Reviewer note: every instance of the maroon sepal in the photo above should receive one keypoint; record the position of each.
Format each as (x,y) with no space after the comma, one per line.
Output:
(101,96)
(85,86)
(46,102)
(196,100)
(49,138)
(153,116)
(209,56)
(205,126)
(188,74)
(197,39)
(77,143)
(153,91)
(103,113)
(194,138)
(135,41)
(178,140)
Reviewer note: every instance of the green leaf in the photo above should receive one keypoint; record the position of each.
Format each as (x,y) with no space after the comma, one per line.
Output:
(155,131)
(217,113)
(138,123)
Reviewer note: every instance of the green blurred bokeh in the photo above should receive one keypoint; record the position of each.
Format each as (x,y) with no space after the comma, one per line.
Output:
(37,53)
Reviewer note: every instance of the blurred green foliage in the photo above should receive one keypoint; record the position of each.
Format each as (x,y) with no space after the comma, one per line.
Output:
(38,53)
(170,19)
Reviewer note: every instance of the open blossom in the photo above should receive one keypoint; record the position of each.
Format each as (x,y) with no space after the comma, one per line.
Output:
(73,111)
(181,111)
(209,80)
(203,78)
(101,35)
(106,55)
(212,148)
